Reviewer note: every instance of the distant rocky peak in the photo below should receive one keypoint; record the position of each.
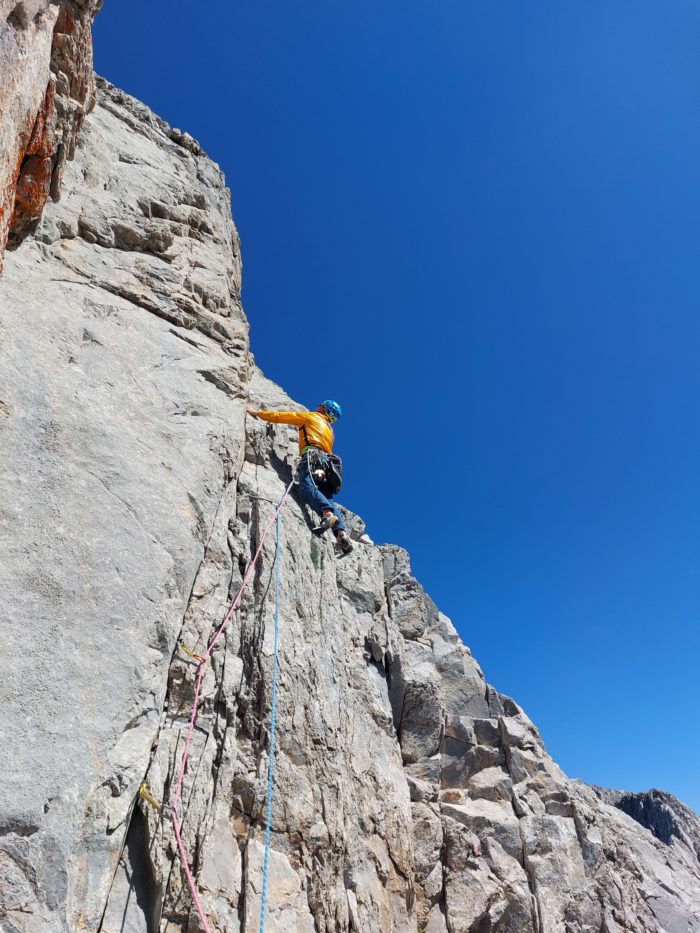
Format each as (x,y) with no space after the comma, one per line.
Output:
(661,813)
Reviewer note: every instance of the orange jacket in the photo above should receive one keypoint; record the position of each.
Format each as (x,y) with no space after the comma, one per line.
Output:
(314,428)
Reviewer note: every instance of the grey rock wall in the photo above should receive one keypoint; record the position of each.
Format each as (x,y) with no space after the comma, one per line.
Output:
(408,795)
(661,813)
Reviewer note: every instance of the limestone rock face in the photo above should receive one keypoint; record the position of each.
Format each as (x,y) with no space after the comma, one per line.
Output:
(46,88)
(661,813)
(408,793)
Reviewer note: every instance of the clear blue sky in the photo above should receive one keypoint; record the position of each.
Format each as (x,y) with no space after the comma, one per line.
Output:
(477,225)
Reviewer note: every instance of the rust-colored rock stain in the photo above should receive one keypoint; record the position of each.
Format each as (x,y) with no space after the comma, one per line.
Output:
(47,138)
(34,176)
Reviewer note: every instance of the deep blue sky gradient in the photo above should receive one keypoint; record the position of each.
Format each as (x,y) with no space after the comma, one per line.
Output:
(477,225)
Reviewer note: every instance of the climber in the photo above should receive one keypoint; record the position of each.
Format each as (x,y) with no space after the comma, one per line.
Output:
(315,447)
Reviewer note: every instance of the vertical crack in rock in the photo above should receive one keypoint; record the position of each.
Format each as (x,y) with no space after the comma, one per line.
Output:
(133,903)
(519,811)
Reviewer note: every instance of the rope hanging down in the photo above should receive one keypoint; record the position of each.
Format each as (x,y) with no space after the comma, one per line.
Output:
(202,663)
(273,717)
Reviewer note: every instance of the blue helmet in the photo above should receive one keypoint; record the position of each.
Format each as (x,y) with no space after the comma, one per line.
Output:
(332,409)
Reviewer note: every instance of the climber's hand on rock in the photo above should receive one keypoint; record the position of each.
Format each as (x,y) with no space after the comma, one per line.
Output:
(252,412)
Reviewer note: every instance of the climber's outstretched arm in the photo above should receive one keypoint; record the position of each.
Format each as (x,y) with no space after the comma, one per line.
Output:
(298,418)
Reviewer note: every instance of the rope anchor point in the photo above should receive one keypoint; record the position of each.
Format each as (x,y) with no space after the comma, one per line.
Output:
(191,654)
(145,794)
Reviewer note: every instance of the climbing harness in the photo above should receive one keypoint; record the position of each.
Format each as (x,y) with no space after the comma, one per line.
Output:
(202,661)
(330,464)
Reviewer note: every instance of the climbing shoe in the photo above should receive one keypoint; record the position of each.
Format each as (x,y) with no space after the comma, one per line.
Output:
(344,542)
(328,520)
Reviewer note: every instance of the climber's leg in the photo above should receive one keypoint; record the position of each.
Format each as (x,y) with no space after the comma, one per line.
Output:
(343,539)
(328,520)
(322,505)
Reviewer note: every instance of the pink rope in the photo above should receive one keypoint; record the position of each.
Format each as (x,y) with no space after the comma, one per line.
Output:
(234,605)
(188,873)
(193,716)
(190,732)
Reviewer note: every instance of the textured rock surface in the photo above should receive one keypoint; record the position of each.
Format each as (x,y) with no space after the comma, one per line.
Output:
(46,88)
(409,794)
(661,813)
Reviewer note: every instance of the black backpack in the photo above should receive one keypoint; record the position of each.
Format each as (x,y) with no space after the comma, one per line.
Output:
(331,465)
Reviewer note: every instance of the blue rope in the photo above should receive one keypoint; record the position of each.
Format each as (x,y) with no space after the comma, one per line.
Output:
(273,716)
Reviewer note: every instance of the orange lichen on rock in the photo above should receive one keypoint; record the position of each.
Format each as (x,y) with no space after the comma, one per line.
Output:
(9,188)
(33,188)
(34,175)
(44,138)
(65,24)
